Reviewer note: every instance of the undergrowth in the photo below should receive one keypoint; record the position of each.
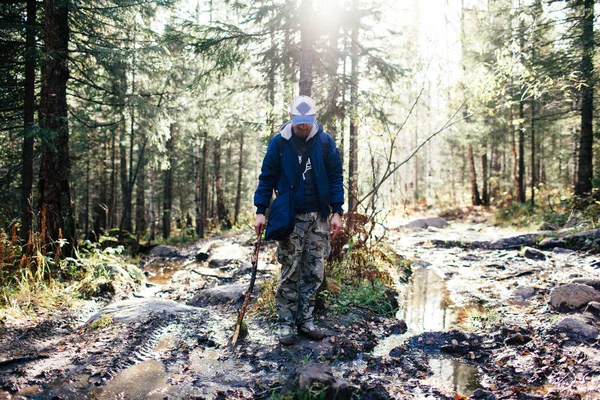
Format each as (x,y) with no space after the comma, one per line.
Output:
(554,209)
(36,281)
(357,273)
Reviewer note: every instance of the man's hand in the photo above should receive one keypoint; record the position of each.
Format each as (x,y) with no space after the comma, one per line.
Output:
(335,225)
(259,224)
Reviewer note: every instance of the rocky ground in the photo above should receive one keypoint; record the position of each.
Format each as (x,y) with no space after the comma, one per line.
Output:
(486,314)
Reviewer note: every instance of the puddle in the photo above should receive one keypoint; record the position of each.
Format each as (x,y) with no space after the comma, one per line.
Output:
(146,380)
(427,308)
(161,271)
(454,376)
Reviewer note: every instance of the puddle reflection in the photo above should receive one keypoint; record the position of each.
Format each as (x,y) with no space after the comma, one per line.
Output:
(454,376)
(161,272)
(428,309)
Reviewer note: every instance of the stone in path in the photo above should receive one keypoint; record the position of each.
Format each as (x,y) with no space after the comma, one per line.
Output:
(425,223)
(227,254)
(139,309)
(316,378)
(575,327)
(223,294)
(572,296)
(165,251)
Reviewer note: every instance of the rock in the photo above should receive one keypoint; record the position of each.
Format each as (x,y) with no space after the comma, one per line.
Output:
(561,250)
(595,283)
(533,254)
(572,296)
(201,256)
(139,310)
(225,294)
(314,380)
(397,352)
(425,223)
(547,226)
(165,251)
(517,339)
(551,242)
(523,292)
(398,328)
(577,328)
(483,394)
(594,308)
(228,254)
(514,242)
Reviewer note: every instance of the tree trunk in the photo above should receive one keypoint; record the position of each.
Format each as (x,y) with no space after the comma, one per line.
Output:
(238,193)
(168,185)
(521,172)
(485,186)
(222,212)
(125,223)
(306,48)
(586,140)
(353,150)
(271,85)
(475,199)
(140,200)
(574,161)
(533,148)
(197,185)
(112,202)
(151,208)
(88,156)
(29,120)
(201,222)
(54,189)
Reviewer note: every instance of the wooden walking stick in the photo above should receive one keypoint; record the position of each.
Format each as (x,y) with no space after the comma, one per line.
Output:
(242,311)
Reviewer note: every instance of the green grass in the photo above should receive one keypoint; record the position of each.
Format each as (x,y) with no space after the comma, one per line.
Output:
(365,295)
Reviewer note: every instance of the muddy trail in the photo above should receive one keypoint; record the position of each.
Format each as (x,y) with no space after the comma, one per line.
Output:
(483,313)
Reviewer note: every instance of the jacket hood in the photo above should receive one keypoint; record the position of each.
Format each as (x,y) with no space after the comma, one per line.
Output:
(285,131)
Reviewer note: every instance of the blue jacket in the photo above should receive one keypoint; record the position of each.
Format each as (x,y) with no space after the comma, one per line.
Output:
(280,171)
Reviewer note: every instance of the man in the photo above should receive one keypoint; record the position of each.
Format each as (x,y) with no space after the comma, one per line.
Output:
(302,153)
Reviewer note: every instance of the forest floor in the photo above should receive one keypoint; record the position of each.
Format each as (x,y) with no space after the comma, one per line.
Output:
(474,321)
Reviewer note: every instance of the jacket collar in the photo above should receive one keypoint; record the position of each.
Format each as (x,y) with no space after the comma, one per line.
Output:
(285,131)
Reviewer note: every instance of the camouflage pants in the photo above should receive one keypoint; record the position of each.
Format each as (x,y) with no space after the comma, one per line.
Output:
(302,257)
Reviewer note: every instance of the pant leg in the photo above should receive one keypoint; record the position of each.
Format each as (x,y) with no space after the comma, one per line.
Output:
(316,249)
(289,255)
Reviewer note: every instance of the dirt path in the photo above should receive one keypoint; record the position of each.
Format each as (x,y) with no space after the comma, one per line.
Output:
(479,325)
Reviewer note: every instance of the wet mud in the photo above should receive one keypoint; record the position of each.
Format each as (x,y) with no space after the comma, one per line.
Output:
(472,323)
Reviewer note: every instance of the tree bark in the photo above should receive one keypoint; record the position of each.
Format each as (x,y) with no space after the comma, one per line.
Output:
(475,199)
(586,140)
(222,212)
(54,189)
(140,201)
(201,222)
(238,194)
(521,171)
(306,48)
(29,120)
(197,185)
(112,202)
(353,142)
(485,185)
(125,223)
(168,185)
(533,159)
(151,208)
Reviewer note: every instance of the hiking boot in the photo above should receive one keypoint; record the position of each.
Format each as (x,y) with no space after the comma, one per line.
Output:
(286,335)
(309,330)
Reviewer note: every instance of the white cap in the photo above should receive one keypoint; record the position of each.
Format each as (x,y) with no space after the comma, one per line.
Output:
(303,110)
